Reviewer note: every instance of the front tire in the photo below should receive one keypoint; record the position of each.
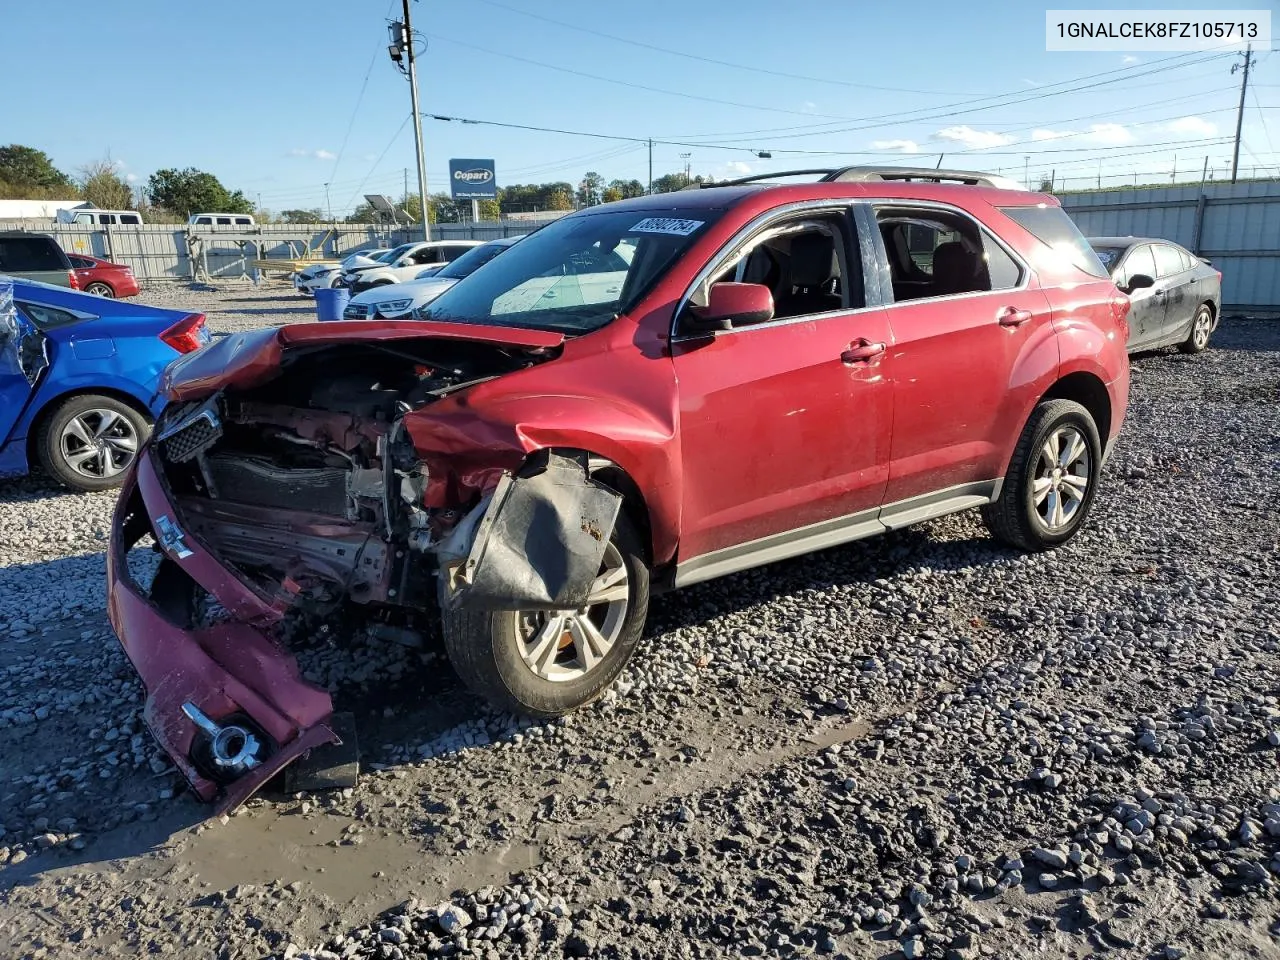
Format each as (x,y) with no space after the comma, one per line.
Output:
(546,664)
(1201,330)
(89,441)
(1052,479)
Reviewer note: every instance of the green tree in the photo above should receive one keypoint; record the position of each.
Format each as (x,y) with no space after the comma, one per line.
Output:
(591,189)
(671,182)
(626,188)
(611,194)
(189,191)
(28,168)
(102,185)
(313,215)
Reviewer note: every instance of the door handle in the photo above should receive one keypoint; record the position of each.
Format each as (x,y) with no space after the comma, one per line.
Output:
(1013,317)
(861,350)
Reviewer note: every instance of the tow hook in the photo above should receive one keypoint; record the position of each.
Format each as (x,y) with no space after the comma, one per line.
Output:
(231,750)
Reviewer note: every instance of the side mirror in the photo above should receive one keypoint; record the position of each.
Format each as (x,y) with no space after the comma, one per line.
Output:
(732,305)
(1139,281)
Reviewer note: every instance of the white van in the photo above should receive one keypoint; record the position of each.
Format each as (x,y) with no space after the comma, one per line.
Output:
(220,220)
(100,218)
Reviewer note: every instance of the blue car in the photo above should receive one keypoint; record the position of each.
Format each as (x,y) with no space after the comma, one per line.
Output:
(79,377)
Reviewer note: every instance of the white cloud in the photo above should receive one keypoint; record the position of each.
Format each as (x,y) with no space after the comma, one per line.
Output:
(1099,134)
(1032,83)
(899,146)
(131,177)
(978,139)
(316,154)
(1193,126)
(737,167)
(808,106)
(1128,58)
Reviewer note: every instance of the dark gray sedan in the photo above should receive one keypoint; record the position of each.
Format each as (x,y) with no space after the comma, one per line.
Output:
(1176,296)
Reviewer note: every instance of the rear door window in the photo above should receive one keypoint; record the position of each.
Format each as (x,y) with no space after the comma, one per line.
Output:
(130,218)
(1052,227)
(1168,262)
(106,218)
(242,221)
(224,221)
(46,317)
(29,255)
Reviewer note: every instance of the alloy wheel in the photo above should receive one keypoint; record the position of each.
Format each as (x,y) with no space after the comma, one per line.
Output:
(1200,333)
(562,645)
(1062,478)
(99,444)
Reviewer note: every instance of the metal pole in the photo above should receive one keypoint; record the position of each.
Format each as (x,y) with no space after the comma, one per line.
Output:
(417,125)
(475,211)
(1244,84)
(328,206)
(651,166)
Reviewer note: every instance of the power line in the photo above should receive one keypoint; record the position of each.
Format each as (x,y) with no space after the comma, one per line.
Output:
(719,63)
(628,83)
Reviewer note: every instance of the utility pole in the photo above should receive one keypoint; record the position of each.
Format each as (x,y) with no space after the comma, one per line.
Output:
(651,165)
(401,49)
(1026,172)
(1244,85)
(685,157)
(328,206)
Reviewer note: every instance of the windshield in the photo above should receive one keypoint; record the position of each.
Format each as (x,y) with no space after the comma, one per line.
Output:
(575,274)
(386,256)
(466,264)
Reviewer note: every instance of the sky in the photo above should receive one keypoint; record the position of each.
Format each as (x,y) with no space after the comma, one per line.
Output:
(277,99)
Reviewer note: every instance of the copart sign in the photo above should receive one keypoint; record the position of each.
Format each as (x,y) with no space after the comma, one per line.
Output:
(473,180)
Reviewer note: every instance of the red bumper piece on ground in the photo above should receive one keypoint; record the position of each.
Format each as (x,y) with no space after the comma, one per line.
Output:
(229,668)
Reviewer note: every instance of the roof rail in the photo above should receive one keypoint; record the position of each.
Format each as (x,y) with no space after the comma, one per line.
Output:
(864,174)
(970,178)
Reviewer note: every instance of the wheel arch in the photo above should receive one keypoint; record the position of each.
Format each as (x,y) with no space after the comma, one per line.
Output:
(1088,390)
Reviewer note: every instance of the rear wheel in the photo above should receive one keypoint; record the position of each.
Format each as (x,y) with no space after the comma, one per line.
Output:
(1201,329)
(100,289)
(1052,478)
(88,441)
(548,663)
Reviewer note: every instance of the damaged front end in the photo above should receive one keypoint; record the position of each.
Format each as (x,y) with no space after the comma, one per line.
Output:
(285,494)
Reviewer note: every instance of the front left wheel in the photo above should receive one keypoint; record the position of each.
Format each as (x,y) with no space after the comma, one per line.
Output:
(546,663)
(88,441)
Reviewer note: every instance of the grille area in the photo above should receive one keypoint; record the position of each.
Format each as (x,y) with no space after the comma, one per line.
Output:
(254,480)
(196,437)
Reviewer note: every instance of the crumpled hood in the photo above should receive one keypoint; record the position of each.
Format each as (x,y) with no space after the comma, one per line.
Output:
(247,359)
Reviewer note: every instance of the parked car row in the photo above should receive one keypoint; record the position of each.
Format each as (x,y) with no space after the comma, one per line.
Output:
(37,256)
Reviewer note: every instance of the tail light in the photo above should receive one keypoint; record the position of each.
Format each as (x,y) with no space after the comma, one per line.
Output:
(188,334)
(72,280)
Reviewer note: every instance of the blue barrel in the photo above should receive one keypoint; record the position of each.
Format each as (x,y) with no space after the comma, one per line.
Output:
(330,302)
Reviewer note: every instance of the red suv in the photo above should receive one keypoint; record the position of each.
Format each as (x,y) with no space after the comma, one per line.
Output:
(639,396)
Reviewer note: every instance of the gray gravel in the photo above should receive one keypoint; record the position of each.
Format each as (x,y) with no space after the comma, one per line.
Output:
(920,746)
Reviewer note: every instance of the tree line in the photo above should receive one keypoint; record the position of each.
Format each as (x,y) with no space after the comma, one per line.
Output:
(171,195)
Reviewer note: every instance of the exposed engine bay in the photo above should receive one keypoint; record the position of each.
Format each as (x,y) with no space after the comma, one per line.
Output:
(310,488)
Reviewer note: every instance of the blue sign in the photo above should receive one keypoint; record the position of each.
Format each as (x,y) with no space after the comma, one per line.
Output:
(473,180)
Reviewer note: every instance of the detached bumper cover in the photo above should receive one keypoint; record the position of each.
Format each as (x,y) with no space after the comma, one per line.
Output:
(231,668)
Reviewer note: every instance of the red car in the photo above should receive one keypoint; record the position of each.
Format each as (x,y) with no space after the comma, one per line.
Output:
(638,397)
(102,277)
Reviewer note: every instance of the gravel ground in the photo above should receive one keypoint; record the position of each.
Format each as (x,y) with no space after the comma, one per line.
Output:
(918,746)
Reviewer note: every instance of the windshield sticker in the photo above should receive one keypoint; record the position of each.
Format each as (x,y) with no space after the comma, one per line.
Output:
(668,225)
